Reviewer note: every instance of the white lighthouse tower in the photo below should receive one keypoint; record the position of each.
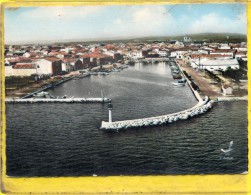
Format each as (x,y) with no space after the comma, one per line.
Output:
(110,107)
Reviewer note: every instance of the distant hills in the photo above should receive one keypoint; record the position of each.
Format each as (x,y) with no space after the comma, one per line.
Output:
(213,37)
(204,36)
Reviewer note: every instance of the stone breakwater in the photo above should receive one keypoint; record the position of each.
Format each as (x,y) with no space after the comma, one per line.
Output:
(59,100)
(200,108)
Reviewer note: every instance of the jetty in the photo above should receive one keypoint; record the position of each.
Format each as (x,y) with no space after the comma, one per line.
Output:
(203,105)
(200,108)
(58,100)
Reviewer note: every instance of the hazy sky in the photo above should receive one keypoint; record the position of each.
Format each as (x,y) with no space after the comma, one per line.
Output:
(36,24)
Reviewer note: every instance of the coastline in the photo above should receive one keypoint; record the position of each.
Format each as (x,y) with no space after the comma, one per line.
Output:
(39,86)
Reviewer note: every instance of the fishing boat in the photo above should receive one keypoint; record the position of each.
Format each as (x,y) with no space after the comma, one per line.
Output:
(180,83)
(176,76)
(175,71)
(41,94)
(174,67)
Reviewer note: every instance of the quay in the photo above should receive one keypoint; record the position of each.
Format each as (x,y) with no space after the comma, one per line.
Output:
(203,105)
(205,87)
(49,86)
(58,100)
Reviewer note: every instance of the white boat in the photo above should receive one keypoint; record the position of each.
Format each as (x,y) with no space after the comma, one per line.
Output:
(41,94)
(179,83)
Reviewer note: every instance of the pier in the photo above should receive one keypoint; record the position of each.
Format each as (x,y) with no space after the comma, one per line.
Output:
(59,100)
(203,105)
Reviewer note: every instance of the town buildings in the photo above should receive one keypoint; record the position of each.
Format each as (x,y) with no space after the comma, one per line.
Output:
(57,59)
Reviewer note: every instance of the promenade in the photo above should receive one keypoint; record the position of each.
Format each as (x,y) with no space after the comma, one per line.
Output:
(205,87)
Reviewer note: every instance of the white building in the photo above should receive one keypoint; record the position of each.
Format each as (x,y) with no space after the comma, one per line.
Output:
(44,67)
(49,66)
(187,39)
(162,53)
(20,70)
(224,46)
(215,64)
(227,89)
(27,55)
(179,54)
(204,51)
(136,54)
(223,52)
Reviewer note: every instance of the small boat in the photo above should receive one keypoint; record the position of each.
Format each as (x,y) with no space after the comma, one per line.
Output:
(183,80)
(174,67)
(41,94)
(176,76)
(116,70)
(52,97)
(179,84)
(175,71)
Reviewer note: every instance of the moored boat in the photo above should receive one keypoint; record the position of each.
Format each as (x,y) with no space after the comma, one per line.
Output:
(41,94)
(176,76)
(180,83)
(177,84)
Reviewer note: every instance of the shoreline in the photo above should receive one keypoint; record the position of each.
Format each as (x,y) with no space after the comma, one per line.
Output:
(39,86)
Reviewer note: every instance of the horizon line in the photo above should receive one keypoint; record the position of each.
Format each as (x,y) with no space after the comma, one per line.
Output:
(116,38)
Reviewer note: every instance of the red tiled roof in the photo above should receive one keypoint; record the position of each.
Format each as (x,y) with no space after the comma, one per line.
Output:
(52,59)
(109,47)
(26,60)
(69,60)
(225,86)
(24,66)
(208,55)
(223,50)
(95,55)
(241,52)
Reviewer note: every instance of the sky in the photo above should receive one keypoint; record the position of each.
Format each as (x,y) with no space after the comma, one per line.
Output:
(42,24)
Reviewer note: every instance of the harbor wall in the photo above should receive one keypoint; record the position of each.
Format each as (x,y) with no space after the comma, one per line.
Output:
(195,92)
(58,100)
(201,107)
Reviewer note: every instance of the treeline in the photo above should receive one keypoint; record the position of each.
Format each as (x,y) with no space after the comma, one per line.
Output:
(193,84)
(214,76)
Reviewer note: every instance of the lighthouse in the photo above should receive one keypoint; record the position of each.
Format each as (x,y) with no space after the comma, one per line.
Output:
(110,107)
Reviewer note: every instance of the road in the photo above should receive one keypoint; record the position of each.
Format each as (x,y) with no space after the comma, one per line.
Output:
(204,85)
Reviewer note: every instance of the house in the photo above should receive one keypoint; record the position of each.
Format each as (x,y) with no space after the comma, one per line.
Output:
(68,64)
(49,66)
(179,53)
(78,65)
(240,55)
(20,69)
(136,54)
(162,53)
(225,46)
(95,59)
(227,89)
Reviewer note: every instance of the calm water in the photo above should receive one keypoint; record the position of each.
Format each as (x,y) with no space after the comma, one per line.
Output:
(65,140)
